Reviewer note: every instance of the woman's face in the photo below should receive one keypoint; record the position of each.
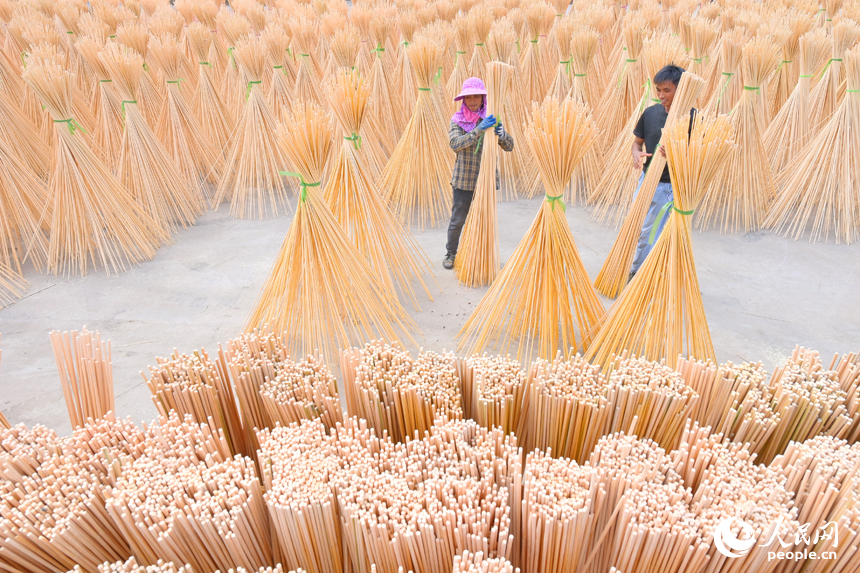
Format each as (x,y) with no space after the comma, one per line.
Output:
(473,102)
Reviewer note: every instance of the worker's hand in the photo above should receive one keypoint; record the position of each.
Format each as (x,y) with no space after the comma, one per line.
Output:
(486,123)
(639,159)
(499,129)
(662,151)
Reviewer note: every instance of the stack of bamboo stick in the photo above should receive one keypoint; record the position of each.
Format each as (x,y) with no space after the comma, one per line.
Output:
(86,374)
(492,388)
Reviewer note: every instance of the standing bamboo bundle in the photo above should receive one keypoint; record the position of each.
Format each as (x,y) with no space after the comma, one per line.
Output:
(481,21)
(461,72)
(321,292)
(477,563)
(809,401)
(819,189)
(565,411)
(307,87)
(251,180)
(562,34)
(492,388)
(23,136)
(660,315)
(734,401)
(86,374)
(543,291)
(582,46)
(703,35)
(55,519)
(829,92)
(616,188)
(302,390)
(216,120)
(298,464)
(144,165)
(234,29)
(345,45)
(726,89)
(416,177)
(356,202)
(615,271)
(477,261)
(279,93)
(534,83)
(396,394)
(787,75)
(558,514)
(178,129)
(193,385)
(93,217)
(625,85)
(211,515)
(148,91)
(790,130)
(23,450)
(382,120)
(405,88)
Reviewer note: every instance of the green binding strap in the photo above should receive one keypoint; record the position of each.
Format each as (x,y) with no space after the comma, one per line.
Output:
(23,61)
(105,81)
(125,101)
(302,183)
(176,81)
(579,75)
(457,57)
(553,200)
(661,214)
(248,91)
(423,89)
(566,65)
(438,76)
(621,75)
(377,49)
(647,86)
(784,62)
(356,140)
(405,43)
(752,88)
(518,46)
(232,58)
(828,65)
(145,67)
(205,64)
(73,125)
(725,85)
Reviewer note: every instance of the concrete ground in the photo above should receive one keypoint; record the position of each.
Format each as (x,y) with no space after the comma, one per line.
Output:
(763,294)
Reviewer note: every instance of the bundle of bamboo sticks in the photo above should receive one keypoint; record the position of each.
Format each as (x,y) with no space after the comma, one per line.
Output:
(493,388)
(23,450)
(86,374)
(543,295)
(477,563)
(397,395)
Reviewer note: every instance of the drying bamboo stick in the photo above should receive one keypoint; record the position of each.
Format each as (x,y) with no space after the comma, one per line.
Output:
(477,262)
(216,120)
(543,294)
(86,374)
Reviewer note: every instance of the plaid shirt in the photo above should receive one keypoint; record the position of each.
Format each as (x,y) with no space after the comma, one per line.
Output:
(468,161)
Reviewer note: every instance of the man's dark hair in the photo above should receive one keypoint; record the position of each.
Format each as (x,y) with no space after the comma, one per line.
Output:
(670,73)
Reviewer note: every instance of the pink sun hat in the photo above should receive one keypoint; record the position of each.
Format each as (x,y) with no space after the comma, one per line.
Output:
(472,86)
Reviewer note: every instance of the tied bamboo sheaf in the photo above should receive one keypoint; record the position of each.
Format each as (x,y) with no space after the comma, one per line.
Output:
(543,294)
(660,314)
(86,374)
(321,292)
(477,262)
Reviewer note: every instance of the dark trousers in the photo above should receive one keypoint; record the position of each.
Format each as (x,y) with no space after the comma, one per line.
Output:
(462,202)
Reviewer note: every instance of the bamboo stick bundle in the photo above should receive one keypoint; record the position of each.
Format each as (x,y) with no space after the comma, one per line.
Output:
(302,390)
(829,92)
(826,201)
(356,201)
(194,385)
(299,463)
(543,294)
(616,188)
(178,129)
(847,368)
(235,30)
(809,401)
(565,411)
(307,87)
(790,130)
(562,34)
(481,21)
(25,138)
(726,88)
(493,388)
(463,43)
(382,121)
(582,46)
(534,83)
(477,261)
(216,119)
(23,450)
(661,314)
(305,39)
(614,274)
(341,300)
(56,518)
(131,566)
(211,515)
(558,514)
(345,45)
(150,95)
(406,90)
(703,35)
(734,400)
(624,89)
(144,166)
(477,563)
(254,156)
(416,177)
(85,369)
(787,75)
(396,394)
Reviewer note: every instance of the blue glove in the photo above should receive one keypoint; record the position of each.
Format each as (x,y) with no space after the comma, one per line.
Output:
(499,129)
(486,123)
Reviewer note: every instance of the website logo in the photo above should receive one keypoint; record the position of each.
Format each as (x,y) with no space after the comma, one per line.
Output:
(728,543)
